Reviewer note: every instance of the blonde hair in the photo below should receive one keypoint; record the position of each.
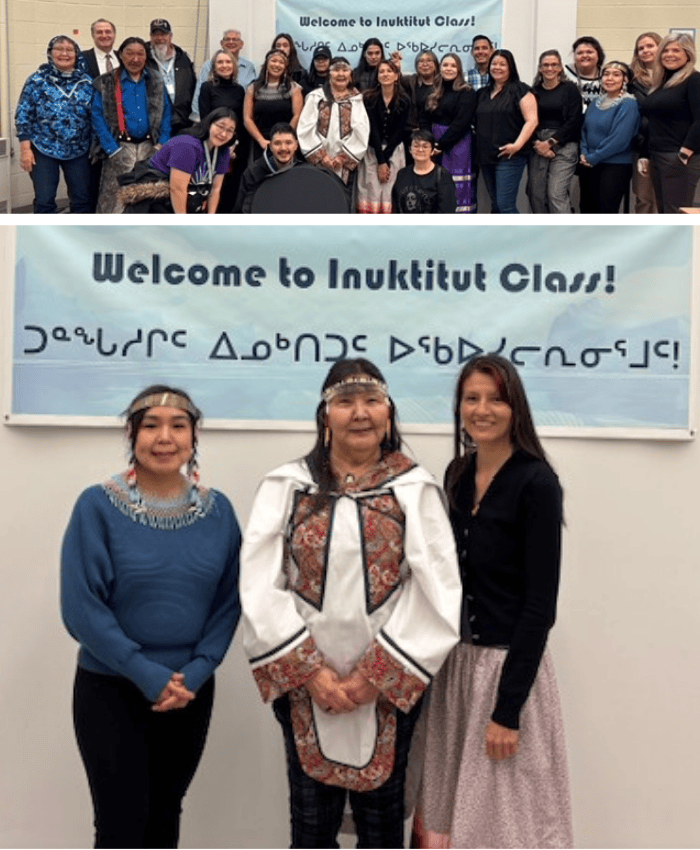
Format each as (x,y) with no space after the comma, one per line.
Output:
(640,71)
(213,76)
(658,73)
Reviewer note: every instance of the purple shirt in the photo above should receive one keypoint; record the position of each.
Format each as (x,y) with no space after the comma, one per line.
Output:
(185,153)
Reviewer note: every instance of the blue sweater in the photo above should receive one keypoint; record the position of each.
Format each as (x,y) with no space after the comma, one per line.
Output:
(150,592)
(608,133)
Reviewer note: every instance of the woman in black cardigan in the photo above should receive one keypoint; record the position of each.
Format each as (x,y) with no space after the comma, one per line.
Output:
(672,112)
(388,108)
(495,763)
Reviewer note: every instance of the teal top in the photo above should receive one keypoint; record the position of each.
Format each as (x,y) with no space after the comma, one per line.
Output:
(150,587)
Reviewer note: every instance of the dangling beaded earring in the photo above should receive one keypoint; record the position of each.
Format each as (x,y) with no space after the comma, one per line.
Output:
(327,438)
(193,469)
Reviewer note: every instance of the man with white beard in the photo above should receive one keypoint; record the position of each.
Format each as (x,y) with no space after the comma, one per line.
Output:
(177,71)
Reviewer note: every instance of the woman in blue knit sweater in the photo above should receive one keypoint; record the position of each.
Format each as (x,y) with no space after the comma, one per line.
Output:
(610,124)
(149,588)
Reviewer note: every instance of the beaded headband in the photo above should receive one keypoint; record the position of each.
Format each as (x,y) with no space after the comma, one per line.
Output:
(352,383)
(340,60)
(166,399)
(617,66)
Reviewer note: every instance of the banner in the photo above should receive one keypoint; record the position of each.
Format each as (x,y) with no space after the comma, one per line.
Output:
(409,29)
(250,318)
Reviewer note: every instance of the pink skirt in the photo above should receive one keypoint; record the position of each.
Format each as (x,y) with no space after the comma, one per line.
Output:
(466,799)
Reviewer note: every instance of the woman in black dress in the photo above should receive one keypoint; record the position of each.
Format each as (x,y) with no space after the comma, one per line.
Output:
(272,99)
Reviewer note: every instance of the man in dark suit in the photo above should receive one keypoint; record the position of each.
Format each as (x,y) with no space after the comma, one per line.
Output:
(100,59)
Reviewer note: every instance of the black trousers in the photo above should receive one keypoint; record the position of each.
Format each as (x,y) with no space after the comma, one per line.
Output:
(674,183)
(603,187)
(317,809)
(139,763)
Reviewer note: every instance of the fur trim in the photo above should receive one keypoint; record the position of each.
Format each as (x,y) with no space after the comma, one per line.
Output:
(137,192)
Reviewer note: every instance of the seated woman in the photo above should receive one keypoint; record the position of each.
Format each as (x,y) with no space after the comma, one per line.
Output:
(423,187)
(388,108)
(273,98)
(609,127)
(222,89)
(130,116)
(448,114)
(53,127)
(334,128)
(191,168)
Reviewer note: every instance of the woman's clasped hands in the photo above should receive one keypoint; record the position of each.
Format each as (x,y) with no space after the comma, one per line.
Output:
(174,695)
(340,695)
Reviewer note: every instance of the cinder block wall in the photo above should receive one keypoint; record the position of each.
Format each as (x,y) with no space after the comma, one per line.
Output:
(33,23)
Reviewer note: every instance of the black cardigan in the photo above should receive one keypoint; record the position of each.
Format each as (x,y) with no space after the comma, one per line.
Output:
(509,555)
(456,110)
(387,127)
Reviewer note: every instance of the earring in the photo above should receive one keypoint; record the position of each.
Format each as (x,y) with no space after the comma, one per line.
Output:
(327,438)
(193,468)
(387,436)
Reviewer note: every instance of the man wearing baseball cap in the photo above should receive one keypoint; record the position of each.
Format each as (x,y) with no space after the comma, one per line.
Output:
(177,71)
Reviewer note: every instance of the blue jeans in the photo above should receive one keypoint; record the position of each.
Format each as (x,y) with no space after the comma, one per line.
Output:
(502,182)
(45,175)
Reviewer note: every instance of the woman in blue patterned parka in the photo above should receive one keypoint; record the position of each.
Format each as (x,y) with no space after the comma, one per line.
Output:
(53,127)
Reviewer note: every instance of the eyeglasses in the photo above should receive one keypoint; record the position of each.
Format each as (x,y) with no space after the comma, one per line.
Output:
(67,50)
(421,146)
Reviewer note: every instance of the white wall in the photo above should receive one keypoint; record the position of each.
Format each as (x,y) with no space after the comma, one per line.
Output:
(625,645)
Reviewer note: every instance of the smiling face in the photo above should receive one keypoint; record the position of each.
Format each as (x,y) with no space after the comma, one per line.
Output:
(232,41)
(481,51)
(646,51)
(103,36)
(283,147)
(612,81)
(357,419)
(276,66)
(163,443)
(64,56)
(133,57)
(386,75)
(499,70)
(421,151)
(340,75)
(223,66)
(485,414)
(550,68)
(221,132)
(373,55)
(449,69)
(673,57)
(426,66)
(586,60)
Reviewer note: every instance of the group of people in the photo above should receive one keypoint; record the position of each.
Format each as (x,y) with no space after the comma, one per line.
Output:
(104,123)
(370,613)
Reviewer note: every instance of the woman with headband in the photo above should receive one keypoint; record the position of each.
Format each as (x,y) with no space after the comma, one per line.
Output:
(149,576)
(351,599)
(610,125)
(333,128)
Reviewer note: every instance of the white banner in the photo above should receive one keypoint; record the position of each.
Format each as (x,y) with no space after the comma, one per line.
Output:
(249,318)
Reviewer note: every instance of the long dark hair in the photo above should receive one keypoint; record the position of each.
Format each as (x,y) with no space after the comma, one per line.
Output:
(362,65)
(319,458)
(294,63)
(133,421)
(132,39)
(285,81)
(522,429)
(399,96)
(201,130)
